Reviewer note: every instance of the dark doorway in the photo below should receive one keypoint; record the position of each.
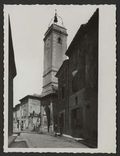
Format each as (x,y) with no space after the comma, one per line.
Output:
(77,122)
(61,123)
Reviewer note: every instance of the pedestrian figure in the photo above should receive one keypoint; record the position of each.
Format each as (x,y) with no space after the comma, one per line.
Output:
(33,127)
(55,129)
(37,125)
(61,126)
(18,124)
(22,126)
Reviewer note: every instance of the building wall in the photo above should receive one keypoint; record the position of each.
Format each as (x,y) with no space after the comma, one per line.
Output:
(34,105)
(18,113)
(63,96)
(10,108)
(30,112)
(47,54)
(17,118)
(24,109)
(24,114)
(11,74)
(58,49)
(14,121)
(83,83)
(80,82)
(34,110)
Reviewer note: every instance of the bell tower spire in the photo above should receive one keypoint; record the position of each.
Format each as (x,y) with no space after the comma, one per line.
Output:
(56,20)
(55,17)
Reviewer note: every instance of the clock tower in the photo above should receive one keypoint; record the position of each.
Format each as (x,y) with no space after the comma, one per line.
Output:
(55,46)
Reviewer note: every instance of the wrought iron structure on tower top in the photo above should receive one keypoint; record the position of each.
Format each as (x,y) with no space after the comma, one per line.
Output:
(56,20)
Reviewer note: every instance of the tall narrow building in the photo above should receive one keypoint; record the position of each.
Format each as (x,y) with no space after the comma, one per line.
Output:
(12,74)
(55,46)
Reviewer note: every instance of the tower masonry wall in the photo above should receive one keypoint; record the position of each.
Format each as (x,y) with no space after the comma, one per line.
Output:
(58,50)
(55,46)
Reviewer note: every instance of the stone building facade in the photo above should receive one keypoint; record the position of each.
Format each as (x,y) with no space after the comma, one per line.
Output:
(81,93)
(63,96)
(12,73)
(16,117)
(30,112)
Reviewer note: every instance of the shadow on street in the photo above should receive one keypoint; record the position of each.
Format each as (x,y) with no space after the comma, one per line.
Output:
(20,144)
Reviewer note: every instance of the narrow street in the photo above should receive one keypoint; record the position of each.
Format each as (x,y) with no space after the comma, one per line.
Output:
(45,141)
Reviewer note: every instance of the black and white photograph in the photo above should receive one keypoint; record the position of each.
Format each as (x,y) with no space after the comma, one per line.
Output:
(60,78)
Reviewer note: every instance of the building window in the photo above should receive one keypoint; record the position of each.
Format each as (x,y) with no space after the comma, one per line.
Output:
(63,92)
(76,100)
(77,118)
(59,40)
(75,83)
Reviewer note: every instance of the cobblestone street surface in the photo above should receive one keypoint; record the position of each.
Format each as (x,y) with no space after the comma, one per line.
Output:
(47,141)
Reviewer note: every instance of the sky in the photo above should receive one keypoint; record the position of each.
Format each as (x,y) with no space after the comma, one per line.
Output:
(29,24)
